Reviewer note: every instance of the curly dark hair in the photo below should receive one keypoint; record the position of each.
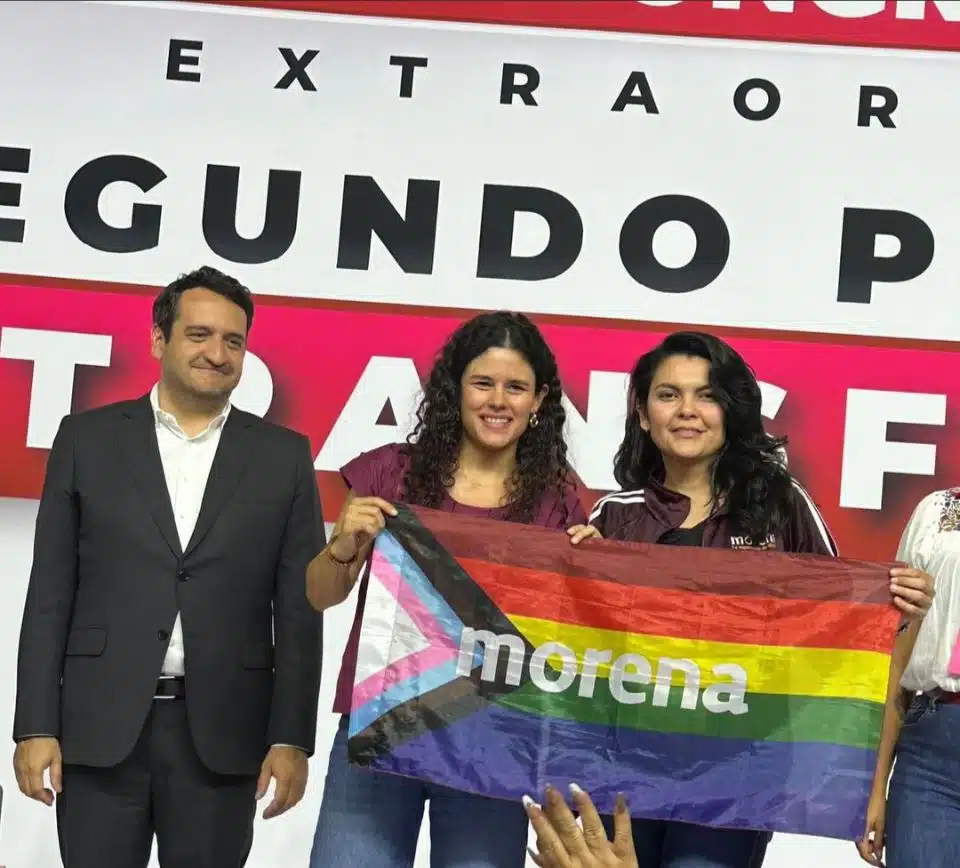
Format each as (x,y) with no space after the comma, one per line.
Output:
(749,472)
(434,445)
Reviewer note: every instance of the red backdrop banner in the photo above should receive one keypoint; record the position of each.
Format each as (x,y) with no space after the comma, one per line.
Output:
(316,352)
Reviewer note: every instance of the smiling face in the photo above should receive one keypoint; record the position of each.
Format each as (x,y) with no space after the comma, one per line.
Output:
(681,414)
(203,357)
(498,394)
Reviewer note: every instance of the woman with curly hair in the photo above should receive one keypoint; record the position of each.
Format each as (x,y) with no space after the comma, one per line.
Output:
(696,468)
(488,442)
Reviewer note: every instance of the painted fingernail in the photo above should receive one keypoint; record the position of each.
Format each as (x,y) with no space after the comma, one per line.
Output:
(621,803)
(575,790)
(529,803)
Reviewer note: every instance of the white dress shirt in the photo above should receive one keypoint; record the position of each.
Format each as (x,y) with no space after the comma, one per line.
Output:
(931,542)
(186,467)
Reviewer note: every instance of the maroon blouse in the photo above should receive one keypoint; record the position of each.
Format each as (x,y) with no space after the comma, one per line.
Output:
(379,473)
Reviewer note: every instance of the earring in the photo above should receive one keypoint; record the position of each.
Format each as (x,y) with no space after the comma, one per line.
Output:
(534,421)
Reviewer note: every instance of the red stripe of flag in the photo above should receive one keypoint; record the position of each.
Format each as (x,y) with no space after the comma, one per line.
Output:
(527,593)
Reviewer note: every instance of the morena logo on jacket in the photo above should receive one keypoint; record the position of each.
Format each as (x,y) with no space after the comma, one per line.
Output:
(745,542)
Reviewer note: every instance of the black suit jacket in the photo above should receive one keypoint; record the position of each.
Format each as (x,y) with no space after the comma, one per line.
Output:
(109,578)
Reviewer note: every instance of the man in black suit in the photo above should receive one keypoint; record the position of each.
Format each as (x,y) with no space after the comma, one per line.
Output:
(169,662)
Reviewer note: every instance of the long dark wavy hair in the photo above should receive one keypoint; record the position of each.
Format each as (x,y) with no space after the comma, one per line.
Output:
(434,445)
(749,473)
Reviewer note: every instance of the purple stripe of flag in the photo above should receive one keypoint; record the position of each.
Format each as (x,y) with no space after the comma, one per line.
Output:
(729,783)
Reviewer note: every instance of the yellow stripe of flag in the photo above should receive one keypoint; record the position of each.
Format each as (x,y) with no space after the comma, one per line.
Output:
(776,669)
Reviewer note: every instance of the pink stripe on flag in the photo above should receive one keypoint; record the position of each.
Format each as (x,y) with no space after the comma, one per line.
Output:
(398,672)
(426,622)
(441,649)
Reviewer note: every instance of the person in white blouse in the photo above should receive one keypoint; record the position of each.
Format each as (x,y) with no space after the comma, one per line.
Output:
(918,821)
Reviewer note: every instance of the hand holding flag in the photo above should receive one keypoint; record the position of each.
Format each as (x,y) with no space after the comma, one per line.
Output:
(362,520)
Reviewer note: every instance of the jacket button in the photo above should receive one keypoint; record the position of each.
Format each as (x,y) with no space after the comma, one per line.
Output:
(163,635)
(183,575)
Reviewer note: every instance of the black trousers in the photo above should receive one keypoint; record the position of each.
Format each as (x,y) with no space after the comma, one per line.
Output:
(107,818)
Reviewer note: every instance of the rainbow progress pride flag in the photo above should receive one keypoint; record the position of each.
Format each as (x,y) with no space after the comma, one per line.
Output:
(740,689)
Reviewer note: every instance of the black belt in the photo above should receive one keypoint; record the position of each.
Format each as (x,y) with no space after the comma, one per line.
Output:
(170,688)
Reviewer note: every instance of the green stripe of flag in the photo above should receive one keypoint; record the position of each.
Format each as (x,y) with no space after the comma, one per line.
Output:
(769,717)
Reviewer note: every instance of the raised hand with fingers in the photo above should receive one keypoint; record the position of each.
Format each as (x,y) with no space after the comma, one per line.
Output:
(561,843)
(579,532)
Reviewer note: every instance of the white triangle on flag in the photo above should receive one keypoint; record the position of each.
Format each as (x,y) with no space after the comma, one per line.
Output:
(388,633)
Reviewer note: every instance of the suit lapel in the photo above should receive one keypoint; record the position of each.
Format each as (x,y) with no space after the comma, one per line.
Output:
(138,445)
(229,464)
